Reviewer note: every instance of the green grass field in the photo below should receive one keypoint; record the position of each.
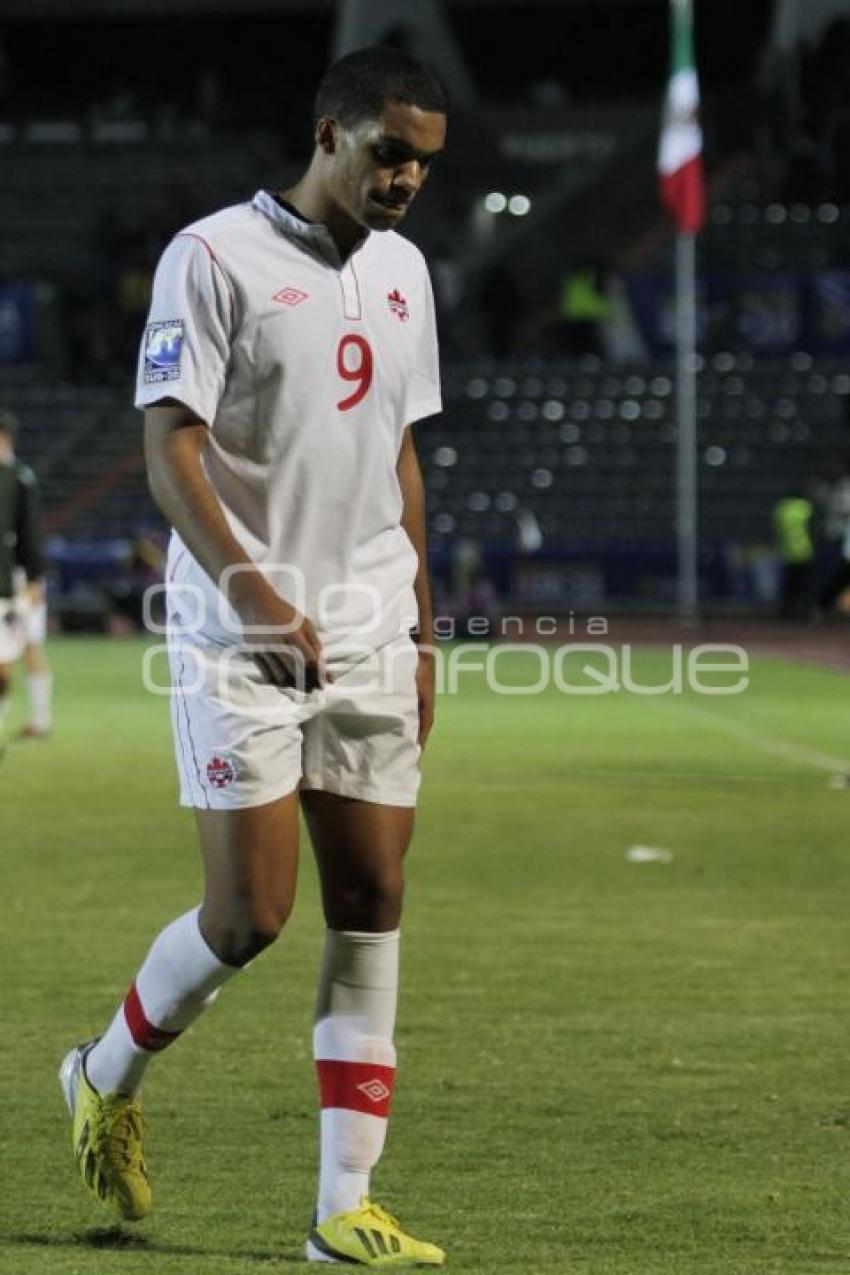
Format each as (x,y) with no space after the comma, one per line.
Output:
(606,1067)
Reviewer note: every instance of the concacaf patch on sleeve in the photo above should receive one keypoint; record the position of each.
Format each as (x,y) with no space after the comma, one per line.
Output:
(163,346)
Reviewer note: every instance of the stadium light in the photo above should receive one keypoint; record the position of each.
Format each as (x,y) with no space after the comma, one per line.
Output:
(519,205)
(495,202)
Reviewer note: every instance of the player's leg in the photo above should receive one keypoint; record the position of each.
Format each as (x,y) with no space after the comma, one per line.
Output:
(11,646)
(250,876)
(39,678)
(359,848)
(250,861)
(246,807)
(250,865)
(361,778)
(241,777)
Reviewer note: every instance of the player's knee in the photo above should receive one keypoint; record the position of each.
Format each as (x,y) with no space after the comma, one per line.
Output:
(238,944)
(373,902)
(243,933)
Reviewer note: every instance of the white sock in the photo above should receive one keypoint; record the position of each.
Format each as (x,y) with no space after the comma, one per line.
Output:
(40,693)
(179,979)
(355,1061)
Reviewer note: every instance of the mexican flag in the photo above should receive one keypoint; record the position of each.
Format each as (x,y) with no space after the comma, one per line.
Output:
(680,150)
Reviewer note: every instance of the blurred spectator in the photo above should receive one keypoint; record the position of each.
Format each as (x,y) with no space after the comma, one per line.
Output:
(583,308)
(529,536)
(133,294)
(474,601)
(466,561)
(209,98)
(792,523)
(620,335)
(805,180)
(820,148)
(500,301)
(447,281)
(144,570)
(90,338)
(837,529)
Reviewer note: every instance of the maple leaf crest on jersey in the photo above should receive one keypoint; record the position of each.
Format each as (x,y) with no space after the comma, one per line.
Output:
(398,305)
(220,771)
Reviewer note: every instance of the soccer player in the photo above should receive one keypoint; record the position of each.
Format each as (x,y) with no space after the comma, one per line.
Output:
(290,345)
(23,605)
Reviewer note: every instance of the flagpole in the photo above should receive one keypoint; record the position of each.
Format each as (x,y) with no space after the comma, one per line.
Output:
(686,433)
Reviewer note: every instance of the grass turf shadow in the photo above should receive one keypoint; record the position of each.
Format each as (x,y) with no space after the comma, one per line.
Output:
(117,1238)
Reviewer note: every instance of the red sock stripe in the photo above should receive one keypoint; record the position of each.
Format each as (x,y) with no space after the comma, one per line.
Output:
(144,1033)
(356,1086)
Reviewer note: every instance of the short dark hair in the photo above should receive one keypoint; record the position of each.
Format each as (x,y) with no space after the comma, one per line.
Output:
(357,86)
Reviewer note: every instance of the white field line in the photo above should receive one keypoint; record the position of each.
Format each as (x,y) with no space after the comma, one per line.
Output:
(797,753)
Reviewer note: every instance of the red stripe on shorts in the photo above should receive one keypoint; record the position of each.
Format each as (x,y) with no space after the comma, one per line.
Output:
(356,1086)
(144,1033)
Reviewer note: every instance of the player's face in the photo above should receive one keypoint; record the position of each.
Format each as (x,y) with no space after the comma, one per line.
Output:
(380,165)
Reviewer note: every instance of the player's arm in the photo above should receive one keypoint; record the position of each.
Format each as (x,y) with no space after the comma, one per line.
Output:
(413,521)
(175,439)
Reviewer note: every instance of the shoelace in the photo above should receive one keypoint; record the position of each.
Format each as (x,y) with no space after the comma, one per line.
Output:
(380,1215)
(121,1129)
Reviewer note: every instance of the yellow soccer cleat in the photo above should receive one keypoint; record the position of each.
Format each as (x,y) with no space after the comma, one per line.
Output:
(369,1237)
(107,1140)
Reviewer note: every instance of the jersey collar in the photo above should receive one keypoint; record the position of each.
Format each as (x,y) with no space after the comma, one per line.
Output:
(312,235)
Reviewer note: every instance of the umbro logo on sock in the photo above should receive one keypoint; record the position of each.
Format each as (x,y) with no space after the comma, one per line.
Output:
(375,1090)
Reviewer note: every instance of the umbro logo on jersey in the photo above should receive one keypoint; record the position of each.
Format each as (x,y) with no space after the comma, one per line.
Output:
(398,305)
(290,296)
(375,1090)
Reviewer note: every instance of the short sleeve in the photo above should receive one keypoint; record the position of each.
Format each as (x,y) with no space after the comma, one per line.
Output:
(423,392)
(186,343)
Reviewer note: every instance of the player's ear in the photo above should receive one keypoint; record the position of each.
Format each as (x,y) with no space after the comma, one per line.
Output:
(326,129)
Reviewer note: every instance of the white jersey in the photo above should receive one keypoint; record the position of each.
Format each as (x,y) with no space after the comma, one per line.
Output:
(307,371)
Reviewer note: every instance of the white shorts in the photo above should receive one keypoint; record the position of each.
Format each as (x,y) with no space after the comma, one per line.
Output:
(12,634)
(242,741)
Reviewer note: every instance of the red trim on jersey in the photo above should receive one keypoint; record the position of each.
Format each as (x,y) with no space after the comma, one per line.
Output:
(190,234)
(356,1086)
(145,1035)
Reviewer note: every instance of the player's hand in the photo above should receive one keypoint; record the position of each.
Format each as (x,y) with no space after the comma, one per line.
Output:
(426,693)
(282,640)
(293,660)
